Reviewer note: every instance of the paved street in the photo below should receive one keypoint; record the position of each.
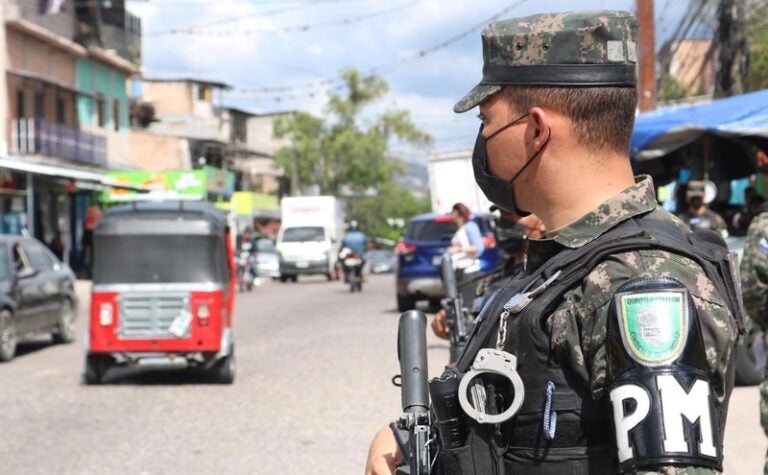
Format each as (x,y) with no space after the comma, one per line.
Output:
(314,364)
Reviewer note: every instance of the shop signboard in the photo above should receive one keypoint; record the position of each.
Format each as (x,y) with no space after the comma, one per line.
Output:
(187,184)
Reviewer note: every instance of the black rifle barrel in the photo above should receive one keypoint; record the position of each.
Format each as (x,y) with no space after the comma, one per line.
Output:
(449,277)
(412,353)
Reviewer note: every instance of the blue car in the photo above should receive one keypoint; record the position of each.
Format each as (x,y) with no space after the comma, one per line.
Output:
(419,253)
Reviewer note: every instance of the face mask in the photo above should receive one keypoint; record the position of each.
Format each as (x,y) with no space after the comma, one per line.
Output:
(498,191)
(695,202)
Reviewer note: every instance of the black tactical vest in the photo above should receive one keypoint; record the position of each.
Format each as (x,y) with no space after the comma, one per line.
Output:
(584,440)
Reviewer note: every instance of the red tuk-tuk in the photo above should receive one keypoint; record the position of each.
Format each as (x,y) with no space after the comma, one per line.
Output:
(164,282)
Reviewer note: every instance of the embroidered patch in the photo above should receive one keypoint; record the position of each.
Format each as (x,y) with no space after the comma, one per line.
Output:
(654,325)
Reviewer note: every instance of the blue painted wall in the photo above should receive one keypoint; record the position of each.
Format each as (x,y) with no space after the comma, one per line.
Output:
(94,77)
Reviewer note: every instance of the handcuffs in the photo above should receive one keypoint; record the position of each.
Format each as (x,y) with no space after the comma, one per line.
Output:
(499,362)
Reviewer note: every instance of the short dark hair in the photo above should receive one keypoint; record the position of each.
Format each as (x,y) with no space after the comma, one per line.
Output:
(602,117)
(463,211)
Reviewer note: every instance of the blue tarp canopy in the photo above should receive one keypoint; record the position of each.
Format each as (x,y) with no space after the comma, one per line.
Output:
(728,128)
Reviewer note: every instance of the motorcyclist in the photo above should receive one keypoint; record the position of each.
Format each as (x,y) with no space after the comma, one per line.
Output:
(355,240)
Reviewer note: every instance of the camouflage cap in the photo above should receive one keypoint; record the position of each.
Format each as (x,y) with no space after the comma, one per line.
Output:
(567,49)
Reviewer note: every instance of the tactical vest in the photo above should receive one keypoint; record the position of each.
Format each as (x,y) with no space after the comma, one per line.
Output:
(584,440)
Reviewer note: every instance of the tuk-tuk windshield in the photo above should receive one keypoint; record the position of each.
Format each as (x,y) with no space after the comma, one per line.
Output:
(139,259)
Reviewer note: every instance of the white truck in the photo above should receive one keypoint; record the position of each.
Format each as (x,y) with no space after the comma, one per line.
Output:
(308,241)
(451,180)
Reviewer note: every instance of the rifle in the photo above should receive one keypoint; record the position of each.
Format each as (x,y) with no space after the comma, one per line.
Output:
(454,307)
(413,431)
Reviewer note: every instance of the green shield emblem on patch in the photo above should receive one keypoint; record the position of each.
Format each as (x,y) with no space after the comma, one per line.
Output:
(654,325)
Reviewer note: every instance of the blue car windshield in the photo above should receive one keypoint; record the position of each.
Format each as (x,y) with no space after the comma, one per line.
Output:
(430,230)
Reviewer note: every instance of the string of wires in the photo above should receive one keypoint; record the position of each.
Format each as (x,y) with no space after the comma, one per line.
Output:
(279,93)
(349,20)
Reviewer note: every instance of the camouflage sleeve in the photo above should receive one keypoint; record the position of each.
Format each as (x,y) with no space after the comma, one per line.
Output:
(754,271)
(578,327)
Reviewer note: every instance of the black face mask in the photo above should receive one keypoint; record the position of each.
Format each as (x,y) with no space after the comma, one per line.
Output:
(498,191)
(695,202)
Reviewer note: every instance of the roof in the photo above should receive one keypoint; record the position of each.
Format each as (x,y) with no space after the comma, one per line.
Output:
(272,114)
(206,82)
(181,213)
(235,109)
(111,59)
(661,131)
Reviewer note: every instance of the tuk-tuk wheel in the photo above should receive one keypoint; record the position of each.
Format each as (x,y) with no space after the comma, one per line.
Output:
(224,369)
(96,367)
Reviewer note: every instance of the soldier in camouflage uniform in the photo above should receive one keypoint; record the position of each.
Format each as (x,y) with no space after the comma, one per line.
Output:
(754,278)
(628,369)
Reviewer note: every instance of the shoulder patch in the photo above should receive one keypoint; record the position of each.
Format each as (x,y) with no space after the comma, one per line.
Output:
(654,324)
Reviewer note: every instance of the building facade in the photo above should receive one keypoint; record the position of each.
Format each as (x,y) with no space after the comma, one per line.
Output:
(65,119)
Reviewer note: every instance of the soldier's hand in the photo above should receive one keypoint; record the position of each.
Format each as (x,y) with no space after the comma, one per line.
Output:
(440,325)
(384,455)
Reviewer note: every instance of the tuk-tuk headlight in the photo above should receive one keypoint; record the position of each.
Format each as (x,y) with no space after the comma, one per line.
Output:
(106,314)
(203,311)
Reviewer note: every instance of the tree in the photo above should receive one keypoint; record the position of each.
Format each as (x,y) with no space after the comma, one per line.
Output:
(392,202)
(670,89)
(341,152)
(346,153)
(757,34)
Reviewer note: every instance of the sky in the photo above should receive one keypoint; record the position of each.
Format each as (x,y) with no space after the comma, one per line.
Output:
(281,54)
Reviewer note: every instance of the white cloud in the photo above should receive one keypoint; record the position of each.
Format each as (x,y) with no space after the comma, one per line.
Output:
(428,87)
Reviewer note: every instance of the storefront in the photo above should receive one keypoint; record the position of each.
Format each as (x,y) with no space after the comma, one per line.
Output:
(49,202)
(204,184)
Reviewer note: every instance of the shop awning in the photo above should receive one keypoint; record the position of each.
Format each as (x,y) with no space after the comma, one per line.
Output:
(26,166)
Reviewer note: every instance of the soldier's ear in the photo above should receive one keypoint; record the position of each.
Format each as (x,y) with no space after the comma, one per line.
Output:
(540,122)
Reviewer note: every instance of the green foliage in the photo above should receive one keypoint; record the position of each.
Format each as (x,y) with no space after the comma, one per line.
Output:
(757,33)
(392,202)
(346,155)
(670,89)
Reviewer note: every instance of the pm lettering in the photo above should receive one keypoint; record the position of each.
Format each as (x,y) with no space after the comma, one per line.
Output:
(676,404)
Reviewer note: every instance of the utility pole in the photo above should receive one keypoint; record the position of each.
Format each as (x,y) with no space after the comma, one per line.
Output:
(647,56)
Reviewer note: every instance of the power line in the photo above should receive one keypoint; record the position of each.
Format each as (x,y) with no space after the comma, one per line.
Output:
(198,31)
(261,93)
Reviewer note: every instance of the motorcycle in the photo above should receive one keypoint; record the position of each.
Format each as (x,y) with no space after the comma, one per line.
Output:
(246,265)
(352,264)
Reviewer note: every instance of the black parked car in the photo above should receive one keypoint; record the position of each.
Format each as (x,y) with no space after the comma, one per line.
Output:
(37,294)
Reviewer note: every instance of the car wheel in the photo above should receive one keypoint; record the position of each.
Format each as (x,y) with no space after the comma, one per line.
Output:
(96,367)
(224,369)
(283,278)
(8,337)
(294,278)
(65,329)
(405,303)
(750,359)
